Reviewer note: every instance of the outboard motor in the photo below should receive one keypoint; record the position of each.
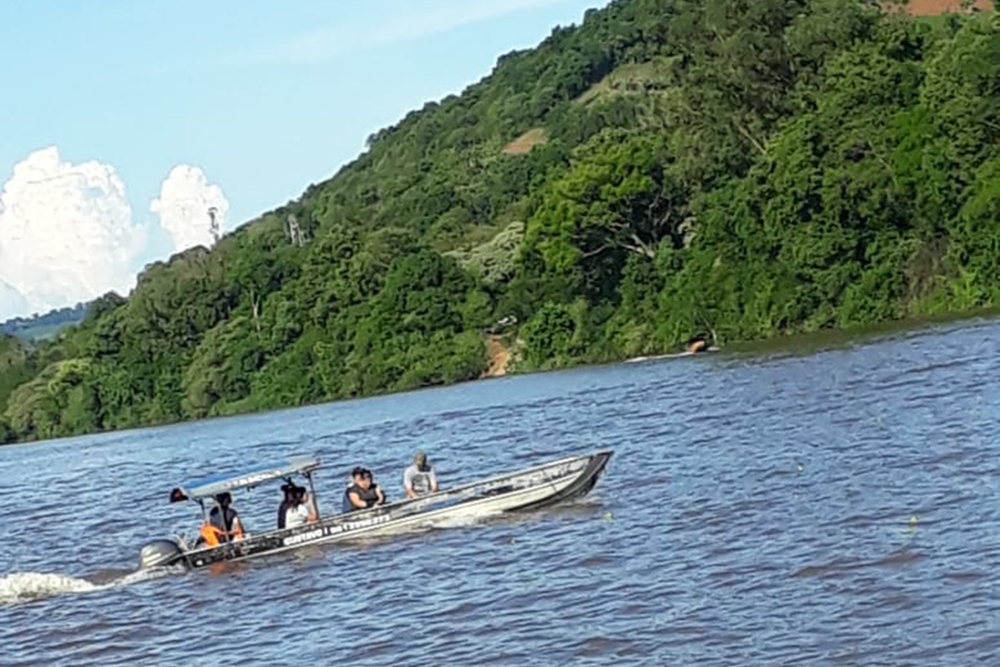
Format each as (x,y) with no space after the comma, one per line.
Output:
(159,553)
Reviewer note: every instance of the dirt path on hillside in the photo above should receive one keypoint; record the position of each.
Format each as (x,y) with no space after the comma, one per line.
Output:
(936,7)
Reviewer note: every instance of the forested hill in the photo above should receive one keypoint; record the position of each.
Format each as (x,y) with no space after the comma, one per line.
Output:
(666,167)
(46,325)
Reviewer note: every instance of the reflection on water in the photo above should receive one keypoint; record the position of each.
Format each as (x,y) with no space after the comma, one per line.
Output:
(832,506)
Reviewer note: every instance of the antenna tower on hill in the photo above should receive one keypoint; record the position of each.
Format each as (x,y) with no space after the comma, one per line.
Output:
(214,223)
(295,234)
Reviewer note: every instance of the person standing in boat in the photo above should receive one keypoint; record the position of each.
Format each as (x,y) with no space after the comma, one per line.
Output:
(419,479)
(362,493)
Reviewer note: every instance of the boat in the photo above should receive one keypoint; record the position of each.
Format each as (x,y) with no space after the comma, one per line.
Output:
(673,355)
(529,489)
(696,345)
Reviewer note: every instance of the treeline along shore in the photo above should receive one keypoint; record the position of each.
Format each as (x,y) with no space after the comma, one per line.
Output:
(664,168)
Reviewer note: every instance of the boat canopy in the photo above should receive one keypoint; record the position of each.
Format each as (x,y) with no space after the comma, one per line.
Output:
(220,483)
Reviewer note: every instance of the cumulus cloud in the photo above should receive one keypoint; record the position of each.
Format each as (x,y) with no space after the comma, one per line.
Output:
(185,199)
(67,232)
(11,301)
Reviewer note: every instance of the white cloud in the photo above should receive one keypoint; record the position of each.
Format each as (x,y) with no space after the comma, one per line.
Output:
(184,204)
(67,232)
(11,301)
(419,20)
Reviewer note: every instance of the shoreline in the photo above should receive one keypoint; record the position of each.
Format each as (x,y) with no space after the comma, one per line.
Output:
(803,343)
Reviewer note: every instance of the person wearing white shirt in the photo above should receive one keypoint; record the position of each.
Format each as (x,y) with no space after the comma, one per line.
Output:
(419,479)
(301,510)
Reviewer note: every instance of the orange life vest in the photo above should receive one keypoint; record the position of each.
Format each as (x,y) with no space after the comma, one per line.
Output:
(210,534)
(213,536)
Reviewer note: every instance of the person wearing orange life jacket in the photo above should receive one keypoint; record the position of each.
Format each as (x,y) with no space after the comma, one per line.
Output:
(223,523)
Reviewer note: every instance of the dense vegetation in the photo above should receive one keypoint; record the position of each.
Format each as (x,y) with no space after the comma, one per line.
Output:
(666,167)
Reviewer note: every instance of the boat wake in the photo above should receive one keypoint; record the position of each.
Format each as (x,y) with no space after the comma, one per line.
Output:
(21,587)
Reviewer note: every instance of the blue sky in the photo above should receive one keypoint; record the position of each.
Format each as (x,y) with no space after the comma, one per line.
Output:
(264,96)
(122,119)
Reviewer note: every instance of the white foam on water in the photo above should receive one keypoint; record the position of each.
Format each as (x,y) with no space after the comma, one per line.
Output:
(27,586)
(22,586)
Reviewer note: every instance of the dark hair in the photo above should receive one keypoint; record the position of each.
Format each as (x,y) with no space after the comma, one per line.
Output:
(292,489)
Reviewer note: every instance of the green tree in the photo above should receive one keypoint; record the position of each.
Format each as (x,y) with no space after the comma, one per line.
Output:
(666,167)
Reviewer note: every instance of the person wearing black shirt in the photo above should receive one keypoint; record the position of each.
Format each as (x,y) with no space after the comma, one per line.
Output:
(362,493)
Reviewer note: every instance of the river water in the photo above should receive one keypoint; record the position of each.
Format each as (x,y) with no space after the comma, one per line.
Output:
(837,507)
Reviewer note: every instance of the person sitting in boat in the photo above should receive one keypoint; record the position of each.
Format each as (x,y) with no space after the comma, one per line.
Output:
(419,479)
(223,523)
(362,493)
(696,344)
(301,510)
(287,501)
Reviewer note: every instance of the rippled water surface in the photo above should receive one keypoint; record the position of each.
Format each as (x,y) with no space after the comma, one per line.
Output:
(834,508)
